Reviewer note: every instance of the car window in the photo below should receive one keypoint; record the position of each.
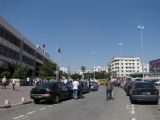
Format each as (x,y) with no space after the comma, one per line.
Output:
(144,85)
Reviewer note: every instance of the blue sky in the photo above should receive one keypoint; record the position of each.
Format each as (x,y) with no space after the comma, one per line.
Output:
(81,27)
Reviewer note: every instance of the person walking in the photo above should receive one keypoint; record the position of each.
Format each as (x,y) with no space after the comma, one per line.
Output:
(4,82)
(13,82)
(75,85)
(109,89)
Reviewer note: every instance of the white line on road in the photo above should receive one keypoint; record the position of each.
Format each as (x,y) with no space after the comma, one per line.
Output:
(18,117)
(50,106)
(42,108)
(132,112)
(133,118)
(31,112)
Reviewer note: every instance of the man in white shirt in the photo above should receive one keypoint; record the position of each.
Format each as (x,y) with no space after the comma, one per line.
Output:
(4,80)
(75,85)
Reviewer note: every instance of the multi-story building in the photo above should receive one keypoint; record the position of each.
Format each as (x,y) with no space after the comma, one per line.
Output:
(14,47)
(124,66)
(154,68)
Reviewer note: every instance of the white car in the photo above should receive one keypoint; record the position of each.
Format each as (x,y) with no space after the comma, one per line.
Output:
(157,83)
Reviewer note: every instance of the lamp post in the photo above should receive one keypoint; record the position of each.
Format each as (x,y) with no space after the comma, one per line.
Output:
(141,28)
(57,68)
(93,53)
(120,48)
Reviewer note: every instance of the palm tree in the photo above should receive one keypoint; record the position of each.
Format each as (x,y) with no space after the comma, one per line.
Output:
(83,68)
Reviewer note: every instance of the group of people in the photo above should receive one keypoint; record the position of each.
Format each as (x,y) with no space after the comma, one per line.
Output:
(4,83)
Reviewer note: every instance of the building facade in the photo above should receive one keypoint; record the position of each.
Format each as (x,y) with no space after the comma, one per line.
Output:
(14,47)
(154,68)
(124,66)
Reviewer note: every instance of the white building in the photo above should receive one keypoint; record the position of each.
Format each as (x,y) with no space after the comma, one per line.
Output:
(124,66)
(100,68)
(64,69)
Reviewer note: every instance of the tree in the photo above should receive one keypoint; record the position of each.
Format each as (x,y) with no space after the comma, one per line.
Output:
(83,68)
(134,75)
(76,76)
(20,71)
(5,73)
(48,69)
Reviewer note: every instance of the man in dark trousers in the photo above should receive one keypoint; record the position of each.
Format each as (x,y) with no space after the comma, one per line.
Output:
(109,89)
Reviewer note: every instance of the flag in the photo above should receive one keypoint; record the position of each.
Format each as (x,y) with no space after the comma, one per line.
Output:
(59,50)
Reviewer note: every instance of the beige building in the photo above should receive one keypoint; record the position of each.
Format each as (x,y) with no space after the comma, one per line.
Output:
(124,66)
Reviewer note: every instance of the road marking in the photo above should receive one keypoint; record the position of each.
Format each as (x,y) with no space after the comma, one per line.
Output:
(42,108)
(50,106)
(18,117)
(133,118)
(132,112)
(31,112)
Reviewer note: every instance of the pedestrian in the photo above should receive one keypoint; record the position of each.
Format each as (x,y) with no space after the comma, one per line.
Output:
(4,82)
(109,89)
(28,81)
(80,89)
(13,82)
(75,85)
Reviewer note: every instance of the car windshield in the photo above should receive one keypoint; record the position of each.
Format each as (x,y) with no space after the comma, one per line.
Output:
(144,85)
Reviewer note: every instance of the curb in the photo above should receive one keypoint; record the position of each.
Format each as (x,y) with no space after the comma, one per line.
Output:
(9,106)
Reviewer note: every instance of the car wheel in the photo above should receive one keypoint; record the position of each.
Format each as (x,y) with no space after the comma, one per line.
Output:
(132,101)
(56,99)
(156,102)
(36,101)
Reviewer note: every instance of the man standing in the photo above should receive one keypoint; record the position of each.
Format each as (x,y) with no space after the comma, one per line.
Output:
(109,88)
(4,81)
(75,85)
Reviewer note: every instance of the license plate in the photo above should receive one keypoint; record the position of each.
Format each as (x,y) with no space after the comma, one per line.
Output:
(147,93)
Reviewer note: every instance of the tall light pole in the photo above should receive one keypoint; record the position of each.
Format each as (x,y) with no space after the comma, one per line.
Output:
(93,53)
(120,48)
(141,28)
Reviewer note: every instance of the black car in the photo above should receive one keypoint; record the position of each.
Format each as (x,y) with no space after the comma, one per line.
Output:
(94,86)
(50,91)
(144,91)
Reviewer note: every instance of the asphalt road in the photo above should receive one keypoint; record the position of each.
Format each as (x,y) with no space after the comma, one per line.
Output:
(92,107)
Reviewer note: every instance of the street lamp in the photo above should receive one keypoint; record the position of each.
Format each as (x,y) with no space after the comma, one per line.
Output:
(93,53)
(120,48)
(141,28)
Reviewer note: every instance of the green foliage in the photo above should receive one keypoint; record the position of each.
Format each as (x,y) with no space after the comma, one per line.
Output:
(134,75)
(48,69)
(20,71)
(98,75)
(5,73)
(76,76)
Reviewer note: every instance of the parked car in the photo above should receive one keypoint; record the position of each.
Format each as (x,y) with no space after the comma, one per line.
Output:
(94,86)
(50,91)
(128,87)
(144,91)
(157,83)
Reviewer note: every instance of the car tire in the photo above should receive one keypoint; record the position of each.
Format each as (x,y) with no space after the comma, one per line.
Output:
(56,99)
(132,101)
(36,101)
(156,102)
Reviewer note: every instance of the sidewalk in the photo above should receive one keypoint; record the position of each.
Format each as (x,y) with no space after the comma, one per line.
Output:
(9,97)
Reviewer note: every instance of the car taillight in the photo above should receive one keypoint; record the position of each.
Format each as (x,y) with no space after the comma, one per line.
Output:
(156,92)
(49,90)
